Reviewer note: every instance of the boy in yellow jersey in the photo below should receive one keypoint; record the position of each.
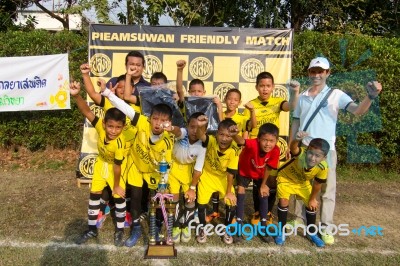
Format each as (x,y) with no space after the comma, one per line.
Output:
(307,164)
(149,147)
(266,110)
(108,166)
(128,132)
(188,161)
(220,167)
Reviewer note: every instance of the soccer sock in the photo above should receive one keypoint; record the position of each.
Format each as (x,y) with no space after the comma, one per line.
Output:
(240,206)
(178,213)
(120,208)
(93,210)
(105,197)
(230,214)
(215,202)
(128,197)
(263,209)
(136,197)
(256,200)
(311,217)
(202,213)
(282,214)
(145,197)
(189,212)
(271,199)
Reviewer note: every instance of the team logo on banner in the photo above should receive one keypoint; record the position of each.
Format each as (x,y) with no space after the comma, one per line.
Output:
(201,68)
(86,165)
(283,146)
(280,91)
(250,69)
(97,110)
(222,89)
(101,64)
(153,64)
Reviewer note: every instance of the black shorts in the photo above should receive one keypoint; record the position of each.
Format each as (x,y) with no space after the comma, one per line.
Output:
(245,181)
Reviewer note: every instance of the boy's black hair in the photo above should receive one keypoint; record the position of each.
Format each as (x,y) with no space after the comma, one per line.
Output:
(268,128)
(122,77)
(233,90)
(195,82)
(195,116)
(226,123)
(320,144)
(115,114)
(135,54)
(162,108)
(264,75)
(159,75)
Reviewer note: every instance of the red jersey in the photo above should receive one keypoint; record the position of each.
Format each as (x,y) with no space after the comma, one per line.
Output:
(252,164)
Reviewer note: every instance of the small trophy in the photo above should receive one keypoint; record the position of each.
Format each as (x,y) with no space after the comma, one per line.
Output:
(164,248)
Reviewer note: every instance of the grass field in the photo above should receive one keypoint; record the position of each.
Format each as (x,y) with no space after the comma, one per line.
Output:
(43,211)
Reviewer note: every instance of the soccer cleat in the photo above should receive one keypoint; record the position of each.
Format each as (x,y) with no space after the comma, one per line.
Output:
(176,234)
(267,239)
(201,238)
(134,237)
(316,240)
(86,236)
(185,236)
(119,238)
(327,238)
(280,240)
(128,220)
(100,219)
(256,218)
(227,239)
(212,216)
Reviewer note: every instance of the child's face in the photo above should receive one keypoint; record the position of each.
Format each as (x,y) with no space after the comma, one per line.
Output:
(156,122)
(314,156)
(119,90)
(113,128)
(232,101)
(157,82)
(224,139)
(197,90)
(192,128)
(265,88)
(267,142)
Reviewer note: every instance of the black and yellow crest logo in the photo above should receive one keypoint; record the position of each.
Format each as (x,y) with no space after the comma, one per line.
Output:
(283,146)
(201,68)
(222,89)
(250,69)
(153,64)
(280,91)
(97,110)
(86,165)
(100,64)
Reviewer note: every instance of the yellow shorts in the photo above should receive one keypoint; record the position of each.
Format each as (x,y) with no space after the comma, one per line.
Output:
(179,176)
(209,184)
(103,175)
(303,191)
(135,177)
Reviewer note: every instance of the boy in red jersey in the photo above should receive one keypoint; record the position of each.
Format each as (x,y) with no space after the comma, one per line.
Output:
(258,157)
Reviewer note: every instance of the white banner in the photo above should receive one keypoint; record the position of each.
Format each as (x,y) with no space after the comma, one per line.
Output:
(34,83)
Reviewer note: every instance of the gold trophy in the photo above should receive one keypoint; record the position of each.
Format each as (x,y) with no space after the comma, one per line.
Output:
(164,248)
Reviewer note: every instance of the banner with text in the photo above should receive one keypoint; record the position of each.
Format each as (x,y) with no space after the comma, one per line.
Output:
(223,58)
(34,83)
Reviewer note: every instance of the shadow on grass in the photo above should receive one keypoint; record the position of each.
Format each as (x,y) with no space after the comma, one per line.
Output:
(71,254)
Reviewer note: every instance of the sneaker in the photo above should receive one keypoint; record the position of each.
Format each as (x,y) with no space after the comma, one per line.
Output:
(128,220)
(134,237)
(255,218)
(316,240)
(327,238)
(119,238)
(185,236)
(267,239)
(212,216)
(86,236)
(100,219)
(227,239)
(201,238)
(176,234)
(280,240)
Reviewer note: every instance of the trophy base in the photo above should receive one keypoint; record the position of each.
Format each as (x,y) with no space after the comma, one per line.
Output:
(160,252)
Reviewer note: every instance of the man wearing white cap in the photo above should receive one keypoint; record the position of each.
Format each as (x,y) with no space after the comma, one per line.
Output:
(323,125)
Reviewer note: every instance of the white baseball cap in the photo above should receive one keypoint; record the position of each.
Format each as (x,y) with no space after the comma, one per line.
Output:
(321,62)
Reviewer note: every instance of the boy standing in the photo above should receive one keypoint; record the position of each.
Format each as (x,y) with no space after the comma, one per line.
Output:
(108,166)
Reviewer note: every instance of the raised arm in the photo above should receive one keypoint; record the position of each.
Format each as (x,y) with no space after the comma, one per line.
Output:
(120,104)
(218,103)
(128,91)
(202,121)
(253,119)
(95,96)
(75,88)
(233,132)
(374,88)
(180,65)
(294,144)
